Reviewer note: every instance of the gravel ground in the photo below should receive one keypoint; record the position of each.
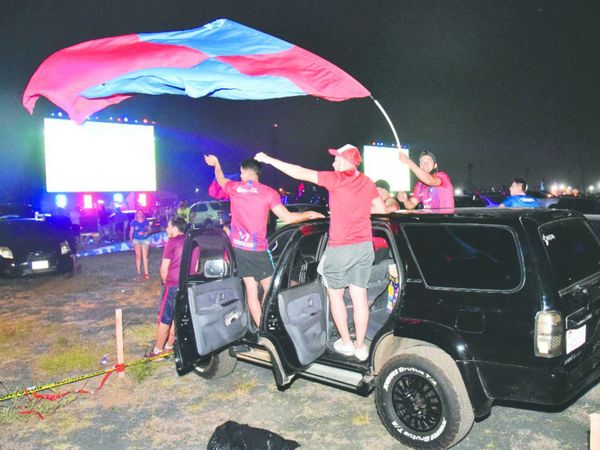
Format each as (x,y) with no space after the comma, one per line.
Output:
(46,317)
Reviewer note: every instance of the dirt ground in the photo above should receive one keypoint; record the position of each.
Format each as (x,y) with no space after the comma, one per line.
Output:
(56,327)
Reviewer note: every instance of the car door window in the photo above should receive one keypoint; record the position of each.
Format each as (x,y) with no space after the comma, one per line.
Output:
(303,268)
(209,258)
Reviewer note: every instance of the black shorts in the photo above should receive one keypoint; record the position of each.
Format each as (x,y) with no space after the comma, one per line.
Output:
(253,264)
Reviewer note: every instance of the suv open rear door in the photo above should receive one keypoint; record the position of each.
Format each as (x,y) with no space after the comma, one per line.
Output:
(210,309)
(295,309)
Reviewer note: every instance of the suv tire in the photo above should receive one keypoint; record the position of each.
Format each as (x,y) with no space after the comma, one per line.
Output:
(219,365)
(422,400)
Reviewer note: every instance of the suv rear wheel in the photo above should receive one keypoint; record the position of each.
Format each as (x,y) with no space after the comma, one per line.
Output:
(220,365)
(422,401)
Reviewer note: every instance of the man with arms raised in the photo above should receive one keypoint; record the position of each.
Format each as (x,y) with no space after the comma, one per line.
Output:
(349,256)
(434,188)
(250,205)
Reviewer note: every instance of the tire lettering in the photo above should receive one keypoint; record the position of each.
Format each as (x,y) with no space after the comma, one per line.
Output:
(414,437)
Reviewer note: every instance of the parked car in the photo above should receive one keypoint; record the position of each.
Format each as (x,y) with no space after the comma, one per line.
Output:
(33,246)
(490,304)
(544,198)
(211,213)
(585,205)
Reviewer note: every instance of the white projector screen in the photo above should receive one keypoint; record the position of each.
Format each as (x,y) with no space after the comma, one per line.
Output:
(383,163)
(99,157)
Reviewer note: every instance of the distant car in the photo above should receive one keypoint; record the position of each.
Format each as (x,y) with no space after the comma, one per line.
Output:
(31,246)
(210,213)
(585,205)
(545,199)
(14,210)
(469,201)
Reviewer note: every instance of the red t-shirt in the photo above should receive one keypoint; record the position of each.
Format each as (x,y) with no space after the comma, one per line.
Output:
(250,205)
(437,197)
(172,251)
(350,198)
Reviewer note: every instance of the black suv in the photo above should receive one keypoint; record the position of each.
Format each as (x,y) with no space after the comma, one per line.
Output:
(465,308)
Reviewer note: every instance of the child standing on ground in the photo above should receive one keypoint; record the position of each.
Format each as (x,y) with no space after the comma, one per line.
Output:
(169,274)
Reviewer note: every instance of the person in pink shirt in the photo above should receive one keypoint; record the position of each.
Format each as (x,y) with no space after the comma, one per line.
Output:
(434,189)
(251,202)
(348,259)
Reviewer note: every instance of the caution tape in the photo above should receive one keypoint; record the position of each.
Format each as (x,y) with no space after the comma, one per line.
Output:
(106,373)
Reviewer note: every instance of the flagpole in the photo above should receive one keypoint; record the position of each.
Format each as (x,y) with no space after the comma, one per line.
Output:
(388,121)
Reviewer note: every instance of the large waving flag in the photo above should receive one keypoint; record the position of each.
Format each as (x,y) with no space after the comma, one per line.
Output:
(221,59)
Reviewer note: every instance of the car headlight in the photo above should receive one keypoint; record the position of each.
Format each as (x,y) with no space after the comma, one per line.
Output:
(6,253)
(64,248)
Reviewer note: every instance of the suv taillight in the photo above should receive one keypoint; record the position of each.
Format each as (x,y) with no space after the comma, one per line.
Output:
(549,332)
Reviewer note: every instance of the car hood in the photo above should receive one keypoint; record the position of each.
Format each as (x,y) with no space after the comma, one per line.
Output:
(26,235)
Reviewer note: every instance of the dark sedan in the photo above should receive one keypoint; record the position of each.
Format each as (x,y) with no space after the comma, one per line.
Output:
(31,246)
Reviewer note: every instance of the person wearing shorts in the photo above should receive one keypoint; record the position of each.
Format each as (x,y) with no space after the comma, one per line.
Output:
(139,236)
(169,274)
(251,202)
(349,255)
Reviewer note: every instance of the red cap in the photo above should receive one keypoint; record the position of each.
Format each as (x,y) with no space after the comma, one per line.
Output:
(349,152)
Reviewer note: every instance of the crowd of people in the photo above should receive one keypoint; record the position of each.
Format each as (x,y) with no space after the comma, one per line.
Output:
(348,258)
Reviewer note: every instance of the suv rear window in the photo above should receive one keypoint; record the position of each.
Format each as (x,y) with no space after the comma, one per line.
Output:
(573,250)
(466,256)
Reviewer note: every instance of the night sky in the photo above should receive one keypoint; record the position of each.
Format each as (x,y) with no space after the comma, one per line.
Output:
(508,87)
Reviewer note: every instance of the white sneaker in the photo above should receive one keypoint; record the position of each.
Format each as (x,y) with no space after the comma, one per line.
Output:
(362,353)
(344,349)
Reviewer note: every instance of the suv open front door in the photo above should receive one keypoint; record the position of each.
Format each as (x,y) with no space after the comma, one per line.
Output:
(210,310)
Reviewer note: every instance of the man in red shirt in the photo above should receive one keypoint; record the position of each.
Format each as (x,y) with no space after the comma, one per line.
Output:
(349,256)
(169,274)
(434,188)
(250,204)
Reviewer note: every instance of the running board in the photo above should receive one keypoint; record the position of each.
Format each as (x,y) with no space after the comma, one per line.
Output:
(317,371)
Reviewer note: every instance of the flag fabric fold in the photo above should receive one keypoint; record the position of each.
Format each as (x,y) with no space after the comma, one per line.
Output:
(221,59)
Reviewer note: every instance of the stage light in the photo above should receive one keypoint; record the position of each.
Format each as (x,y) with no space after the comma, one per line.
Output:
(118,198)
(60,200)
(125,119)
(142,200)
(87,201)
(458,191)
(145,121)
(59,114)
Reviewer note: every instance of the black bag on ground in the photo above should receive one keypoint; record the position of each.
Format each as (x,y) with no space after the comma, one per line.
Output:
(234,436)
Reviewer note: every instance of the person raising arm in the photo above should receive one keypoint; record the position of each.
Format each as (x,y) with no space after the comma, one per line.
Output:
(349,256)
(250,204)
(434,188)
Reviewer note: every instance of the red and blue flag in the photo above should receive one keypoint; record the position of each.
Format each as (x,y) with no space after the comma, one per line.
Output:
(220,59)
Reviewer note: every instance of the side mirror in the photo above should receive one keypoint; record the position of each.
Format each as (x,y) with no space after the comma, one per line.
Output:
(215,268)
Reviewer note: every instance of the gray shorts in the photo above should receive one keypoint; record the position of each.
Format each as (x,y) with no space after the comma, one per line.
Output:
(347,264)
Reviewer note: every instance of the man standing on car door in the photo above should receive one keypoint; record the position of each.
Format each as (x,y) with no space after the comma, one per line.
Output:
(348,259)
(250,204)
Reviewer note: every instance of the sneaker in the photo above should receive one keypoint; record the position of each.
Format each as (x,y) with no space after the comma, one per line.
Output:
(362,353)
(154,353)
(344,349)
(146,276)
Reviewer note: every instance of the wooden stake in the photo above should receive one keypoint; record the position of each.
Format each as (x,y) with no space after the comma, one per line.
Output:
(119,326)
(595,431)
